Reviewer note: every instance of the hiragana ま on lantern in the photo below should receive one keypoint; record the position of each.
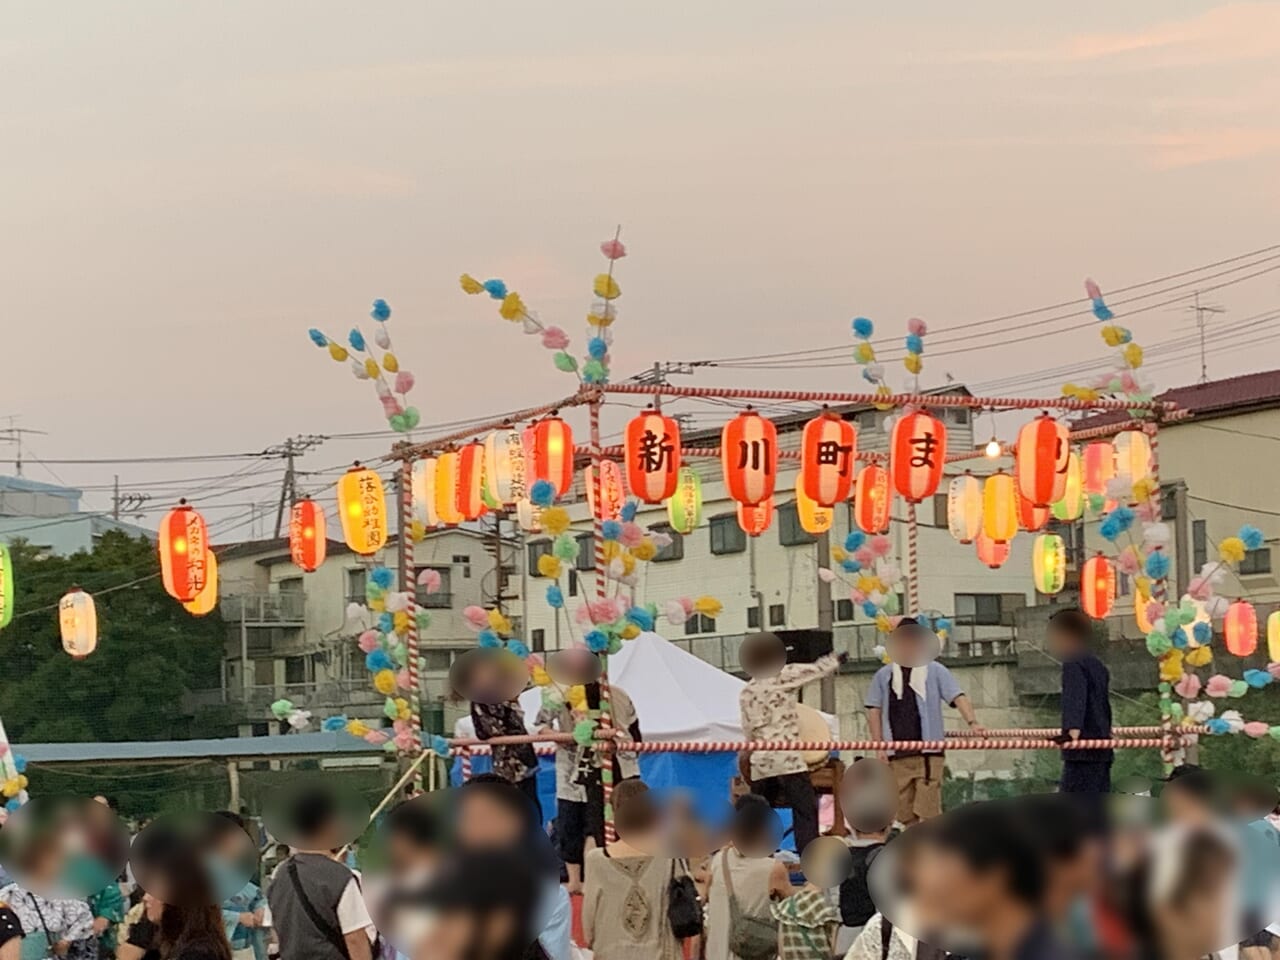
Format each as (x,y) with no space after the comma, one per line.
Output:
(1049,563)
(684,508)
(1240,628)
(991,552)
(362,505)
(1097,586)
(651,456)
(612,494)
(469,493)
(872,499)
(207,598)
(964,507)
(755,520)
(1041,456)
(184,552)
(549,449)
(999,507)
(1071,504)
(749,455)
(828,459)
(307,541)
(78,623)
(917,454)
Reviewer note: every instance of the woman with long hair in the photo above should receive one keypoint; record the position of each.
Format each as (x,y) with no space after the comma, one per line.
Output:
(170,932)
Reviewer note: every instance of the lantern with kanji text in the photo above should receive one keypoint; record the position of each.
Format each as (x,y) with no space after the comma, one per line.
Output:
(651,456)
(1097,586)
(1041,456)
(447,489)
(504,465)
(828,459)
(422,484)
(917,454)
(872,499)
(755,520)
(964,507)
(1000,507)
(749,455)
(307,543)
(549,448)
(78,623)
(184,552)
(1049,563)
(684,507)
(469,493)
(814,518)
(612,495)
(362,505)
(1240,628)
(1071,504)
(991,552)
(207,598)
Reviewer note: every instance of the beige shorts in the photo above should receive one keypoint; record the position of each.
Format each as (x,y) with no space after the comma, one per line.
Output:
(919,781)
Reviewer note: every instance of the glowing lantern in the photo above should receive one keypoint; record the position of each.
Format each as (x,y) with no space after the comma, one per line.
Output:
(684,509)
(1099,467)
(828,456)
(813,517)
(469,493)
(362,505)
(307,542)
(1140,604)
(528,516)
(6,586)
(755,520)
(1000,507)
(1273,636)
(504,466)
(612,495)
(872,499)
(207,598)
(749,454)
(991,552)
(1031,517)
(184,553)
(651,456)
(1041,456)
(1097,586)
(1071,505)
(551,454)
(78,621)
(917,453)
(1133,455)
(447,489)
(1049,563)
(964,507)
(1240,628)
(423,488)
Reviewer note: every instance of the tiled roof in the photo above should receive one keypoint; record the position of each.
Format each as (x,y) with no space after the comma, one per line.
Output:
(1249,391)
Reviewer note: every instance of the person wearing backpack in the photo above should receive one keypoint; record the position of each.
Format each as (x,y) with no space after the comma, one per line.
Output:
(745,880)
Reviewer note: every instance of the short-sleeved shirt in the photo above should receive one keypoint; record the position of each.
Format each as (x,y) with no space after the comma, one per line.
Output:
(940,687)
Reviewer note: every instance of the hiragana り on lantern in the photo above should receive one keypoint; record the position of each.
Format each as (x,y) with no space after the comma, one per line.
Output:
(1041,456)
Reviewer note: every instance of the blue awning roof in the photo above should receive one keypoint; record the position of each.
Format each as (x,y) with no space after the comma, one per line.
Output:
(228,748)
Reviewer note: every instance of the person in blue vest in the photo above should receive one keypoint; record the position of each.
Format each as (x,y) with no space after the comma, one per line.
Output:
(1086,703)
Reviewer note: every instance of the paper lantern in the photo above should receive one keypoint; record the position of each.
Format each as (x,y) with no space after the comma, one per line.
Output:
(612,495)
(1041,455)
(1099,466)
(1140,604)
(872,499)
(991,552)
(528,516)
(1000,507)
(1049,563)
(362,505)
(307,542)
(207,598)
(184,552)
(447,489)
(964,507)
(551,454)
(651,456)
(828,458)
(814,518)
(422,485)
(78,622)
(749,455)
(1071,504)
(684,508)
(755,519)
(6,586)
(917,454)
(1240,628)
(1273,636)
(469,493)
(1030,517)
(1097,586)
(504,465)
(1133,455)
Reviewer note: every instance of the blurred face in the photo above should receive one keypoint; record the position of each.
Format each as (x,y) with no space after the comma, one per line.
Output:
(484,822)
(949,891)
(1199,921)
(912,646)
(1182,807)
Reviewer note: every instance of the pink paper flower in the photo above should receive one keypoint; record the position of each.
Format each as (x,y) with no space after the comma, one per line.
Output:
(403,680)
(864,555)
(857,596)
(1155,610)
(1257,729)
(917,326)
(613,249)
(430,579)
(879,545)
(1199,589)
(553,338)
(1218,686)
(375,737)
(1188,687)
(1127,562)
(1128,383)
(825,575)
(476,617)
(368,641)
(632,534)
(404,381)
(1146,512)
(404,740)
(1091,290)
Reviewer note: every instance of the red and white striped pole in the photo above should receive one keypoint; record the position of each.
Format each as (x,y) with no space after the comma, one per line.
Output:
(913,561)
(409,586)
(606,718)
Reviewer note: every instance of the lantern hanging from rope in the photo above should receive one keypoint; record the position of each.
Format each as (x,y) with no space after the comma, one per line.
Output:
(749,455)
(184,552)
(1240,628)
(755,520)
(612,495)
(651,456)
(917,454)
(6,586)
(828,459)
(964,507)
(307,543)
(1071,505)
(550,457)
(78,623)
(1099,464)
(1049,563)
(447,489)
(814,518)
(991,552)
(469,494)
(1030,517)
(1040,457)
(1097,586)
(528,515)
(362,505)
(684,507)
(423,486)
(872,499)
(504,465)
(1133,456)
(1273,636)
(207,598)
(1000,507)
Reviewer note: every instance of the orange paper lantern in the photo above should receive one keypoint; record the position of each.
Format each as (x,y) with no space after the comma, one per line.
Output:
(917,453)
(550,454)
(1240,628)
(469,493)
(749,455)
(612,496)
(651,456)
(1099,466)
(184,553)
(1000,507)
(991,552)
(207,598)
(828,457)
(307,535)
(872,499)
(446,489)
(1097,586)
(755,519)
(1041,456)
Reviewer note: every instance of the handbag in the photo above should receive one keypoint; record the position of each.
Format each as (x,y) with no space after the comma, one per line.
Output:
(684,912)
(750,937)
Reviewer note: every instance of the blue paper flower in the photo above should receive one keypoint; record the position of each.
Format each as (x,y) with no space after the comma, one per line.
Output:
(385,623)
(378,660)
(439,745)
(542,493)
(641,617)
(518,648)
(495,288)
(381,311)
(1257,678)
(1157,565)
(20,763)
(487,638)
(628,512)
(12,805)
(942,624)
(1217,726)
(1202,633)
(1179,638)
(334,724)
(318,338)
(382,577)
(611,530)
(596,641)
(1101,310)
(914,343)
(1109,529)
(356,339)
(555,597)
(863,328)
(1253,537)
(1124,517)
(870,609)
(850,565)
(855,540)
(597,348)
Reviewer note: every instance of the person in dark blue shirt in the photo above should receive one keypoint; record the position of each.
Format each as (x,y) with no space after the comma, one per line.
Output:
(1086,703)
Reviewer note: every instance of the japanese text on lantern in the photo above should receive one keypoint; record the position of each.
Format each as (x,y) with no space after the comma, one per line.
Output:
(754,455)
(655,453)
(371,507)
(832,453)
(923,450)
(196,552)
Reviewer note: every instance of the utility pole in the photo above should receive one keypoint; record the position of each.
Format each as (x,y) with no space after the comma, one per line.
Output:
(660,372)
(125,502)
(291,448)
(826,621)
(1200,310)
(13,434)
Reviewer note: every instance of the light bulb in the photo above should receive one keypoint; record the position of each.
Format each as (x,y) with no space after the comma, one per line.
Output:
(993,449)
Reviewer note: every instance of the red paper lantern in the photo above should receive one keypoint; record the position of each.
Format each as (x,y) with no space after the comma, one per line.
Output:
(872,499)
(1031,517)
(1040,457)
(651,456)
(917,454)
(991,552)
(755,519)
(1240,628)
(749,454)
(550,456)
(828,456)
(1097,586)
(307,535)
(184,552)
(469,493)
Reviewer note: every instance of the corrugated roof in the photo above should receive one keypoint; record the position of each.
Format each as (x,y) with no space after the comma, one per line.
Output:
(249,748)
(23,485)
(1230,396)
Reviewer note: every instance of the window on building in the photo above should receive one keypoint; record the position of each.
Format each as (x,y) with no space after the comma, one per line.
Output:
(436,661)
(777,614)
(790,533)
(573,583)
(1168,504)
(978,609)
(753,618)
(959,415)
(844,611)
(867,420)
(1256,561)
(674,550)
(264,673)
(291,585)
(442,599)
(726,536)
(537,548)
(356,580)
(1199,544)
(538,640)
(463,560)
(699,623)
(939,509)
(586,552)
(260,728)
(295,670)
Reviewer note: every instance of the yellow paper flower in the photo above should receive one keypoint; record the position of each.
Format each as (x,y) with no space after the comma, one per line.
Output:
(708,606)
(512,307)
(555,520)
(883,624)
(10,787)
(540,677)
(377,604)
(1171,666)
(883,391)
(549,566)
(371,368)
(1144,489)
(1113,335)
(402,708)
(912,362)
(390,363)
(1198,657)
(337,351)
(1142,586)
(417,532)
(599,320)
(400,621)
(838,555)
(470,284)
(576,697)
(644,550)
(606,288)
(384,681)
(866,583)
(628,563)
(863,352)
(1231,550)
(612,548)
(499,624)
(1133,355)
(357,728)
(630,632)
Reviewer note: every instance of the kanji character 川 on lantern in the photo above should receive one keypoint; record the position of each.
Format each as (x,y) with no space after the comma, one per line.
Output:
(1071,504)
(1031,517)
(813,517)
(550,456)
(917,453)
(423,487)
(307,539)
(755,520)
(1049,563)
(1042,454)
(964,507)
(1099,466)
(1273,636)
(78,622)
(872,499)
(828,459)
(1240,628)
(362,505)
(612,494)
(504,465)
(469,493)
(1133,455)
(1000,507)
(207,598)
(184,552)
(447,489)
(1097,586)
(991,552)
(749,455)
(651,456)
(684,508)
(6,586)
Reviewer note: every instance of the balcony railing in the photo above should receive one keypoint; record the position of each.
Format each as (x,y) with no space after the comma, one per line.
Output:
(269,609)
(329,694)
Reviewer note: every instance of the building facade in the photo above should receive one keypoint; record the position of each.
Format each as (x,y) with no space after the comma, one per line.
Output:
(49,517)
